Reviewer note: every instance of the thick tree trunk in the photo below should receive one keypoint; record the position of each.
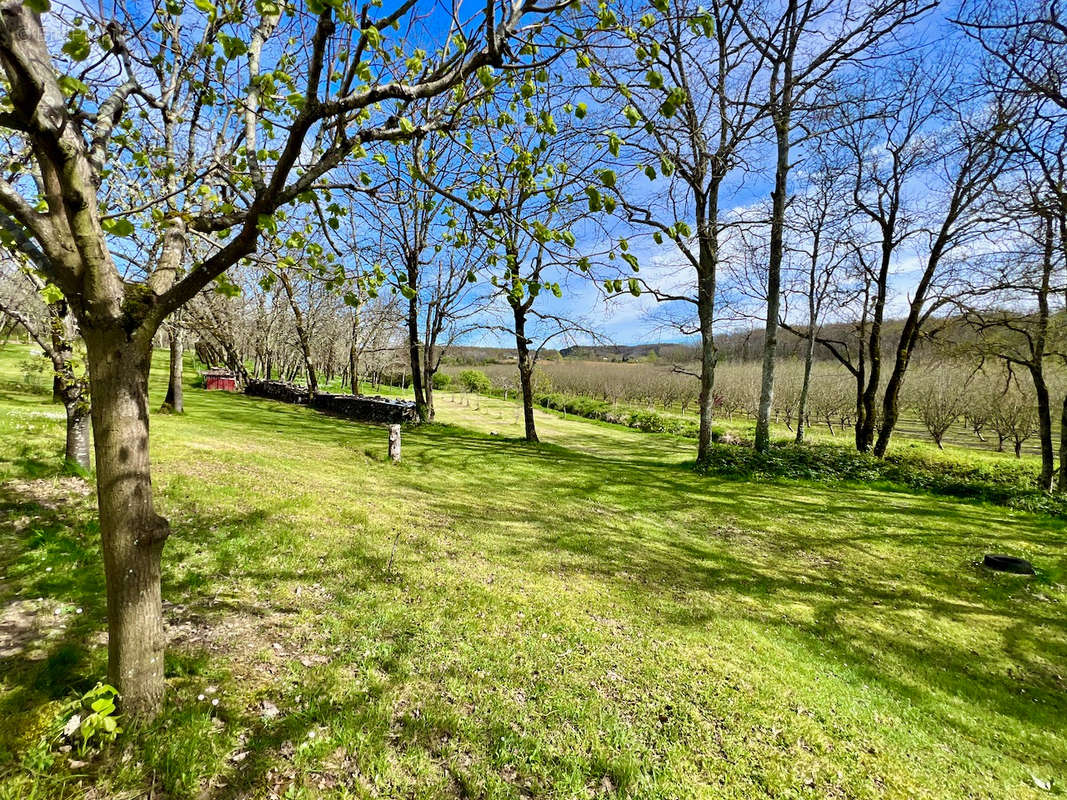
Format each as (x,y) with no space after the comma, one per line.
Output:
(526,367)
(78,419)
(132,534)
(174,401)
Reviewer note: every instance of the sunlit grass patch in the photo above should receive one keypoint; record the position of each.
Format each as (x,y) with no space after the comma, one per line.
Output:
(587,617)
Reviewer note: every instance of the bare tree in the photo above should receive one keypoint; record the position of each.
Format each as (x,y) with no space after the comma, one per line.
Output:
(807,44)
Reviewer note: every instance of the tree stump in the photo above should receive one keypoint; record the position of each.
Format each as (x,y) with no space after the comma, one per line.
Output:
(394,443)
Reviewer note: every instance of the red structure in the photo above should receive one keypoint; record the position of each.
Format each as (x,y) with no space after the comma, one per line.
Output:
(219,380)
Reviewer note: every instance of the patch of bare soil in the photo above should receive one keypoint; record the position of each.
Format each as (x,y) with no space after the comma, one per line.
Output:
(27,623)
(51,494)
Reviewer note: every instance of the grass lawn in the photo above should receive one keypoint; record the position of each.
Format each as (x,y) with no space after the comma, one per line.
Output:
(583,618)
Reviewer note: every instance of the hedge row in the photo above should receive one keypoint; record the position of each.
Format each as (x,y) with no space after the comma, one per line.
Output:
(590,408)
(1007,483)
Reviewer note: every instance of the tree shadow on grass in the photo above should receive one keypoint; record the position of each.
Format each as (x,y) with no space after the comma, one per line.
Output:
(892,589)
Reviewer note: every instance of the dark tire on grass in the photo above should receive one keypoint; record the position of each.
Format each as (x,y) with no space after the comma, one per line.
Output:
(1002,563)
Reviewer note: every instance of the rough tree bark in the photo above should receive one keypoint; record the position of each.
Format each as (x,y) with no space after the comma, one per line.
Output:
(132,533)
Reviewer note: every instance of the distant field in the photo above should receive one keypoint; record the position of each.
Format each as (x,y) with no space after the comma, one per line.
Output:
(583,618)
(642,385)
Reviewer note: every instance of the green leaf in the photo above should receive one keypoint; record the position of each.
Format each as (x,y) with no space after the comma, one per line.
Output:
(77,45)
(607,177)
(633,116)
(206,6)
(405,125)
(655,79)
(595,203)
(232,47)
(580,110)
(119,226)
(614,143)
(37,6)
(373,36)
(51,294)
(71,85)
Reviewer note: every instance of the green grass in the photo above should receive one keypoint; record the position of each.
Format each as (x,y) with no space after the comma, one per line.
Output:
(587,617)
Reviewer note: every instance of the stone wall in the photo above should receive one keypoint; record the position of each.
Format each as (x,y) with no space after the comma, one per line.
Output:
(349,406)
(278,390)
(366,409)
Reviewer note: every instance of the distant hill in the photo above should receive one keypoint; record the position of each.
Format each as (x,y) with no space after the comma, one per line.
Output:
(744,345)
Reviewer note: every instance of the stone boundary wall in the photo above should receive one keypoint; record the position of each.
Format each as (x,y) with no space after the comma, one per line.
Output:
(349,406)
(366,409)
(278,390)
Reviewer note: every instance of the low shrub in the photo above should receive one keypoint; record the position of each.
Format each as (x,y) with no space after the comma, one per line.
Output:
(590,408)
(476,381)
(1012,484)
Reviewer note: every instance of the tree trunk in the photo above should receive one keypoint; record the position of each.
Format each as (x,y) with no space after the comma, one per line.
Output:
(174,401)
(132,534)
(301,335)
(1061,478)
(427,383)
(805,387)
(1044,421)
(708,360)
(78,419)
(774,268)
(353,354)
(526,367)
(415,358)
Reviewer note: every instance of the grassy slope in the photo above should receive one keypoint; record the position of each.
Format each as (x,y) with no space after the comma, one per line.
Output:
(494,619)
